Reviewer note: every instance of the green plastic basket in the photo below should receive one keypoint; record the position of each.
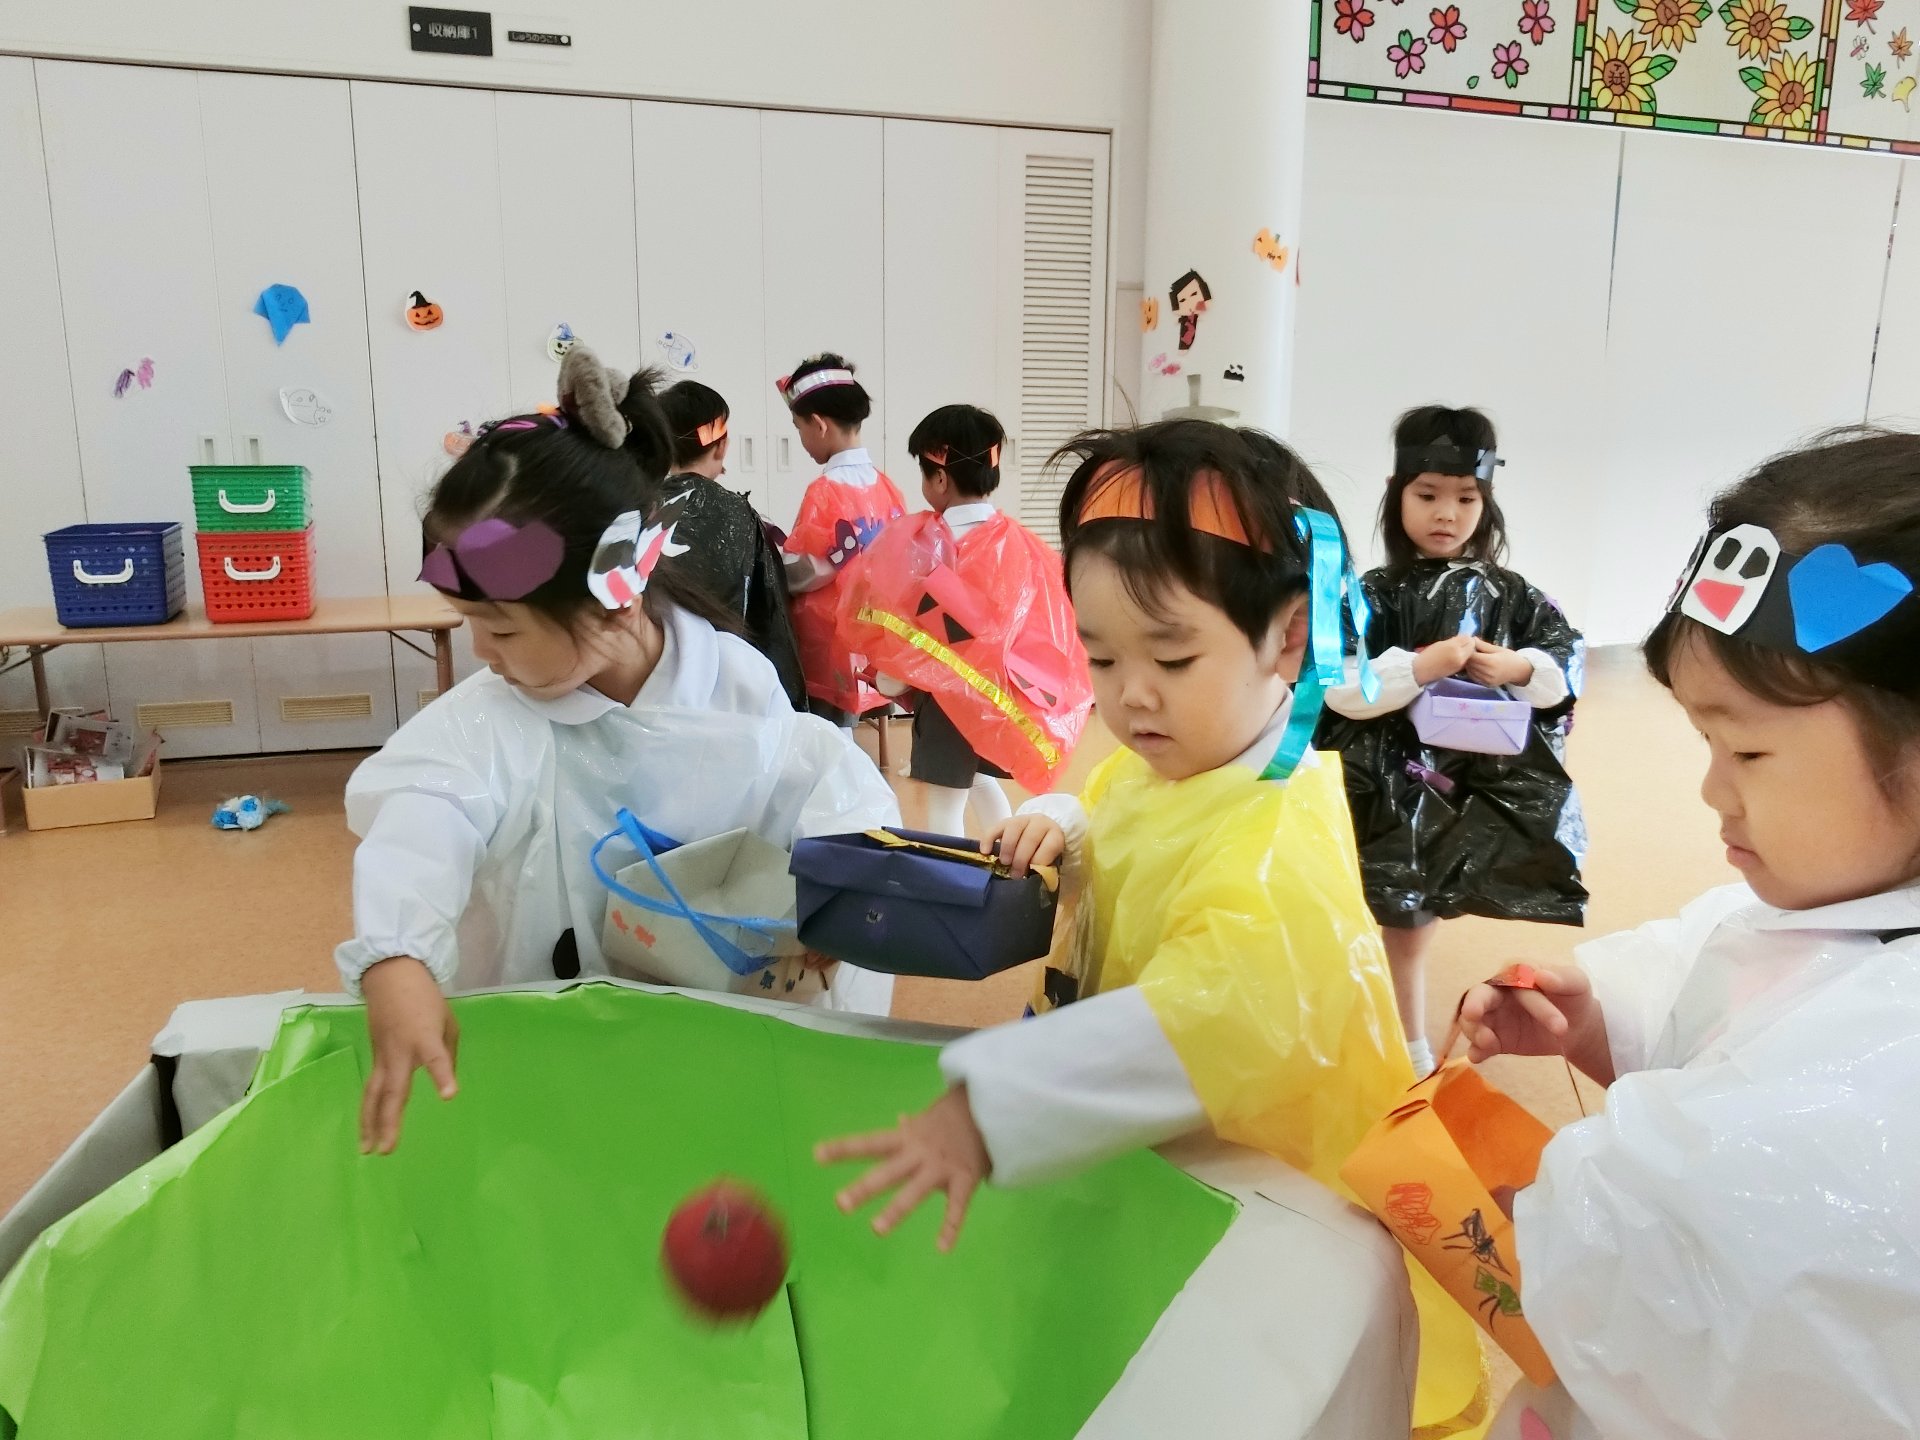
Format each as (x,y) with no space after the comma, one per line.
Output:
(250,497)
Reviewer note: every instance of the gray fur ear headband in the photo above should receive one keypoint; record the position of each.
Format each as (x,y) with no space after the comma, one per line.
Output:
(591,394)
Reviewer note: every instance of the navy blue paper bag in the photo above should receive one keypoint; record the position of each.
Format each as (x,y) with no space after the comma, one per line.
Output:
(905,903)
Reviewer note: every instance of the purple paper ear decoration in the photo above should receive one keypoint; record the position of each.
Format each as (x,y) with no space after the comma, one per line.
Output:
(495,559)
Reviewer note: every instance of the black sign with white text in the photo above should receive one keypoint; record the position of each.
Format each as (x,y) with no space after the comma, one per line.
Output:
(451,32)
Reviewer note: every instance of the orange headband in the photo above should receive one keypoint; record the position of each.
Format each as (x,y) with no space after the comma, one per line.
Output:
(1119,492)
(937,455)
(711,432)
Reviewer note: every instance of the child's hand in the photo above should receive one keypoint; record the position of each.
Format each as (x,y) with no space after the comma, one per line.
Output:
(1025,841)
(1496,666)
(412,1028)
(1557,1017)
(1443,658)
(938,1149)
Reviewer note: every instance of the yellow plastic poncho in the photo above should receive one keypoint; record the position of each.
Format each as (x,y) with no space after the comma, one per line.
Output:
(1235,905)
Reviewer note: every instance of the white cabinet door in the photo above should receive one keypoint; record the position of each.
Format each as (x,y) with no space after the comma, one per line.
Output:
(697,220)
(820,182)
(43,490)
(942,295)
(127,172)
(566,178)
(1052,275)
(430,207)
(280,172)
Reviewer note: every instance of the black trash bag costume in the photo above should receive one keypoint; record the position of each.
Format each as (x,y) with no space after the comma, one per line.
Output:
(731,558)
(1445,832)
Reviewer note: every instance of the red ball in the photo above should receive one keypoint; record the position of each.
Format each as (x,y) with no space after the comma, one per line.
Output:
(726,1252)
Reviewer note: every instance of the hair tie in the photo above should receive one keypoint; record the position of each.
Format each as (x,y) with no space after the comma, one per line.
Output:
(591,394)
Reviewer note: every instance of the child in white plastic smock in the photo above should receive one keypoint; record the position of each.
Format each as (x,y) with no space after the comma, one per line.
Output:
(1731,1249)
(1222,971)
(609,685)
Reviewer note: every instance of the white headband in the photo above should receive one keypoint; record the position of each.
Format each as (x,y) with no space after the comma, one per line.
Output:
(818,380)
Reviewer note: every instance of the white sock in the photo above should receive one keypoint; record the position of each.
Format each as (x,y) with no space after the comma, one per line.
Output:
(1421,1054)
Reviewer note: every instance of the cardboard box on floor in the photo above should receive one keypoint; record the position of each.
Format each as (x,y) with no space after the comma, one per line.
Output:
(55,807)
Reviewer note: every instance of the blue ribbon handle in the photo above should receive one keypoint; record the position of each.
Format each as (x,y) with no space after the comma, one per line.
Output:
(1329,574)
(651,844)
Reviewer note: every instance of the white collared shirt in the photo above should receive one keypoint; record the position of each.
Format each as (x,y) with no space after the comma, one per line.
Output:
(851,467)
(963,520)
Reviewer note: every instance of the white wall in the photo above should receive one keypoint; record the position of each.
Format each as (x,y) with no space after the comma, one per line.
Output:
(1646,316)
(1061,63)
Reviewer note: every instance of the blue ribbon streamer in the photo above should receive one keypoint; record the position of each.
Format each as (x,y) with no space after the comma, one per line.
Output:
(1330,573)
(651,845)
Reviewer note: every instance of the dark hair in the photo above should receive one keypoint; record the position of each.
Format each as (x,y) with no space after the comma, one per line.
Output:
(1250,585)
(971,437)
(687,406)
(1190,278)
(559,474)
(1470,430)
(848,405)
(1854,487)
(1280,466)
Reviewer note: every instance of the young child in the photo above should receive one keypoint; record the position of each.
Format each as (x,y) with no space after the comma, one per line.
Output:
(608,685)
(729,553)
(1221,971)
(1731,1249)
(1447,832)
(970,606)
(844,508)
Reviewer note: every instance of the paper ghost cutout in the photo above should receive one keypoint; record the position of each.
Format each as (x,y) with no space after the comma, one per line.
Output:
(284,307)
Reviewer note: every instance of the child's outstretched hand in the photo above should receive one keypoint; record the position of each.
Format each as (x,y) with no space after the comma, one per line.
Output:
(1559,1016)
(412,1028)
(1024,841)
(938,1149)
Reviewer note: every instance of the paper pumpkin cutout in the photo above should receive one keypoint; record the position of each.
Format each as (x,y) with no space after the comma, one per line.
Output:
(1268,247)
(423,314)
(1149,313)
(1234,372)
(1727,585)
(458,441)
(560,341)
(1836,597)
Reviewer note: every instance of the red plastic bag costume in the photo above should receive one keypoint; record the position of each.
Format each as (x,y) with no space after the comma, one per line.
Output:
(983,625)
(837,521)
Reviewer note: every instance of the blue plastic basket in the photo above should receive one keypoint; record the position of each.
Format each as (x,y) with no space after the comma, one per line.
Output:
(118,574)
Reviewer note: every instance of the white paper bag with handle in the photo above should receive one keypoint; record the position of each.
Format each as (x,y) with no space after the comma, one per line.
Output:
(716,914)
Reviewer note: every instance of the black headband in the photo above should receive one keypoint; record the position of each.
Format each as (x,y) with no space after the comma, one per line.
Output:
(1444,457)
(1850,609)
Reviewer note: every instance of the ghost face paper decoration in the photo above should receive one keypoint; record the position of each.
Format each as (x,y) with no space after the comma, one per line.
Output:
(1727,585)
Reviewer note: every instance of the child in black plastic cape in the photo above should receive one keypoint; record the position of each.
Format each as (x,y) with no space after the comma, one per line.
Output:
(1446,832)
(730,554)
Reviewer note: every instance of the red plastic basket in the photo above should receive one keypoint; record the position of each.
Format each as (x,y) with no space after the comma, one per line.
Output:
(257,575)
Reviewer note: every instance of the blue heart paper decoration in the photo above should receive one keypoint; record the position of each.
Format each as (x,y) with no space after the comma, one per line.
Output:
(1835,596)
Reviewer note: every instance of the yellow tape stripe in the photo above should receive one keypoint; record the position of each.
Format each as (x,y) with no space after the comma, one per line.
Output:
(1049,752)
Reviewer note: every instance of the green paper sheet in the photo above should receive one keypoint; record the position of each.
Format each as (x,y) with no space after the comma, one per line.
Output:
(499,1275)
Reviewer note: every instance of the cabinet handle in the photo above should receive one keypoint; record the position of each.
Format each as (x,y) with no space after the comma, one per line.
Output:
(747,444)
(85,577)
(786,453)
(234,507)
(272,572)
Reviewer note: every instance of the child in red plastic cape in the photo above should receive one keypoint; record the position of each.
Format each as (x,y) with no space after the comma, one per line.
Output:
(969,607)
(845,508)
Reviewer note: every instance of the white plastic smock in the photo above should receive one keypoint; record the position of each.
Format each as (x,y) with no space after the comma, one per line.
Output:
(478,816)
(1731,1250)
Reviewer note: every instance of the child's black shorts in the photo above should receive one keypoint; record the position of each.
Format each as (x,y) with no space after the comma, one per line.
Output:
(941,754)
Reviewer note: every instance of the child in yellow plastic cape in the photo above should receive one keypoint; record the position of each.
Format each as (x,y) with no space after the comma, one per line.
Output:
(1222,970)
